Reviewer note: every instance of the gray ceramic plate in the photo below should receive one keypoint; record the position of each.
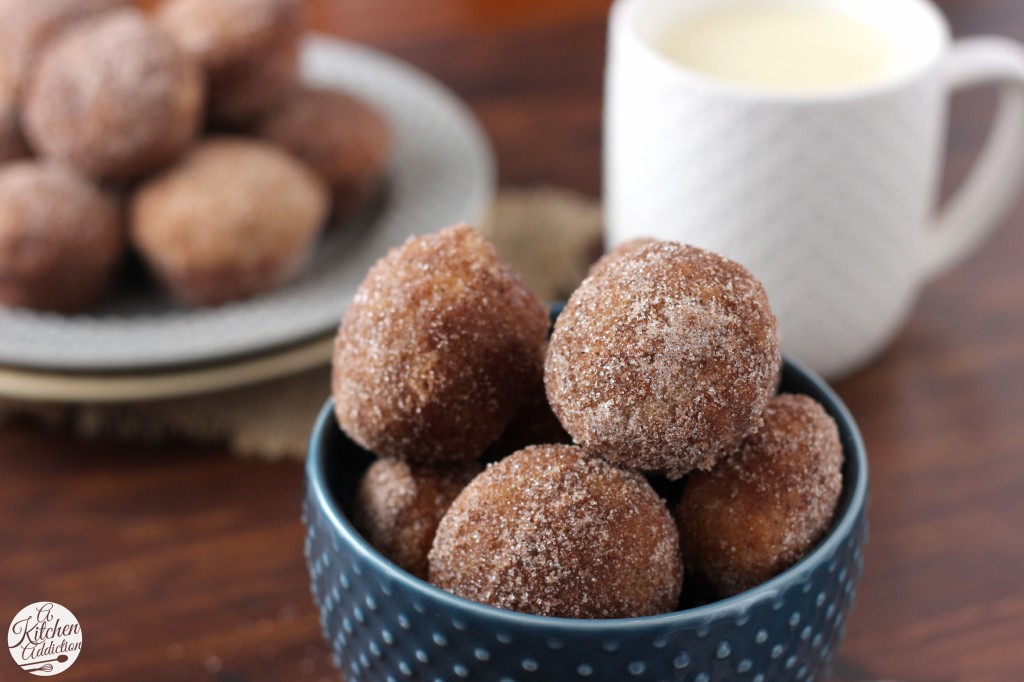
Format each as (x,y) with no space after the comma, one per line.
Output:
(442,172)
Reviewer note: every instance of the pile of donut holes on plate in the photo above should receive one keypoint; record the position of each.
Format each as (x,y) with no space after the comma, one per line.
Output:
(185,134)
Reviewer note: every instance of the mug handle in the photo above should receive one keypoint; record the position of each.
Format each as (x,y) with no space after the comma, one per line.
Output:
(991,188)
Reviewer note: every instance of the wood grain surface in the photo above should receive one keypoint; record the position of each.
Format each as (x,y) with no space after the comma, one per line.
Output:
(183,564)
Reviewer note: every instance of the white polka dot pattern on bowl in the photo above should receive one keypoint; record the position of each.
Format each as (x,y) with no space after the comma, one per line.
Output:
(383,624)
(377,636)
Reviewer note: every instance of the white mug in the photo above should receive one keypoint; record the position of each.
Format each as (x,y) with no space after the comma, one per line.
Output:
(830,199)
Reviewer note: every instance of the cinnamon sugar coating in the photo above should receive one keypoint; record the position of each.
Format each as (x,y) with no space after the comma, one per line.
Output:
(623,249)
(398,506)
(553,532)
(762,509)
(344,139)
(663,359)
(61,238)
(249,49)
(233,218)
(27,25)
(437,350)
(114,98)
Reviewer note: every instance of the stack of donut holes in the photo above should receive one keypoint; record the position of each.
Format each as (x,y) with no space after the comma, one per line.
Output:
(185,135)
(655,392)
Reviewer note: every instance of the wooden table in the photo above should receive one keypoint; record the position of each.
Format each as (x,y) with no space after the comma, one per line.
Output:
(184,564)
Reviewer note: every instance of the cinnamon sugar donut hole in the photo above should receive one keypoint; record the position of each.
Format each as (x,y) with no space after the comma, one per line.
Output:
(343,138)
(553,532)
(114,98)
(762,509)
(27,25)
(233,218)
(398,506)
(249,48)
(438,350)
(664,359)
(61,238)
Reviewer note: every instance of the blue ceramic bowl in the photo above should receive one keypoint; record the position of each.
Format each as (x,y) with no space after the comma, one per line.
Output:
(385,625)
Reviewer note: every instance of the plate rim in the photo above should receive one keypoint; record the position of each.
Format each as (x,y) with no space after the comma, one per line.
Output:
(36,387)
(477,203)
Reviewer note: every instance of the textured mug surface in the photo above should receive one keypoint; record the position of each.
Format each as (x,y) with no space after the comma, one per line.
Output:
(385,625)
(829,199)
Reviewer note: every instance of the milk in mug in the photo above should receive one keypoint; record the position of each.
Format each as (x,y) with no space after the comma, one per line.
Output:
(782,47)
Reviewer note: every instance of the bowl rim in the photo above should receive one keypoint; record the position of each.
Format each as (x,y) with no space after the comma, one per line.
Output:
(842,528)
